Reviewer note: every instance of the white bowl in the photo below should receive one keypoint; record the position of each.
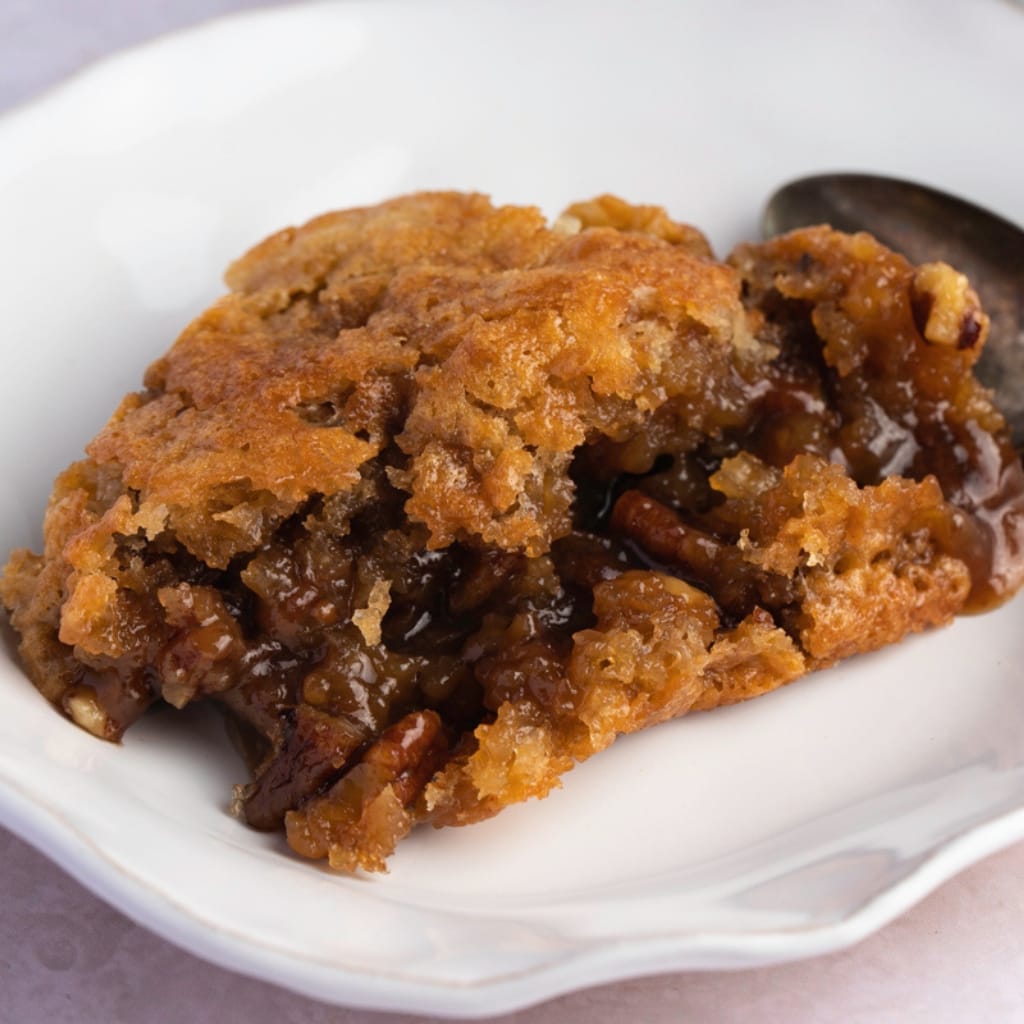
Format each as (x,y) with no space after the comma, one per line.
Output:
(780,829)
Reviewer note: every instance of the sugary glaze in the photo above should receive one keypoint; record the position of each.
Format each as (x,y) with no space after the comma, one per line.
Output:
(439,500)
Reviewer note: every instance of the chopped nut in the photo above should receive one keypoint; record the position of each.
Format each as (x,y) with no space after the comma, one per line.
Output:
(567,225)
(83,708)
(946,309)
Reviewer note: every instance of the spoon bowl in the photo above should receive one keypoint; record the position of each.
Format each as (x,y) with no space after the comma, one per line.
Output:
(928,225)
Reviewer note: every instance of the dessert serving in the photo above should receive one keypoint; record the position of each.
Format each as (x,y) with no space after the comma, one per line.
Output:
(440,499)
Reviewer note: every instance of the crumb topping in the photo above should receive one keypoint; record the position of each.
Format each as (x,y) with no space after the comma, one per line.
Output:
(438,500)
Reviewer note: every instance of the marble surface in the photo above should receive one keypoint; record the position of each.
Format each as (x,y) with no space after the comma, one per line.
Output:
(66,957)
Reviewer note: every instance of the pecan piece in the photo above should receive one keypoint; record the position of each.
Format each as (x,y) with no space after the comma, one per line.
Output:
(318,747)
(106,701)
(202,655)
(945,308)
(360,819)
(716,566)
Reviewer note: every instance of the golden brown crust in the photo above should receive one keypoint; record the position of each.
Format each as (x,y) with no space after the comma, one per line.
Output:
(439,500)
(899,343)
(544,360)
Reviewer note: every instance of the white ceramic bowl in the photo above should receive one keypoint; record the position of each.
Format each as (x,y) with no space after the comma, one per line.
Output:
(780,829)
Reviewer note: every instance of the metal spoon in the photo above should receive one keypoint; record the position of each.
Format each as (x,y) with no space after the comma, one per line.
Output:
(926,225)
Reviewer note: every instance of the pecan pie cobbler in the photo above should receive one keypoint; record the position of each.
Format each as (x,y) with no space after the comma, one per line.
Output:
(440,499)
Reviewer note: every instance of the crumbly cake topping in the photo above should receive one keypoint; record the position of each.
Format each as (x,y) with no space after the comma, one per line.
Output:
(439,500)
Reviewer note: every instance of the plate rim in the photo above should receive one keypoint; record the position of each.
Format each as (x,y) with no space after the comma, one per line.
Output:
(601,961)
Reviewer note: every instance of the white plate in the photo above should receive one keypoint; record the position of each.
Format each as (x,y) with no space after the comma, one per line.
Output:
(780,829)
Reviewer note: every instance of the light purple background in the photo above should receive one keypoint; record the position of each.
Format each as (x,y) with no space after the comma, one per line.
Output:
(66,957)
